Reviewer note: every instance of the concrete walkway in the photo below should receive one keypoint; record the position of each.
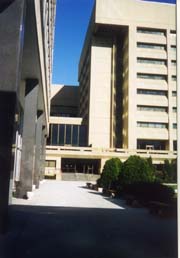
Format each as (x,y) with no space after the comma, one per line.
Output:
(64,219)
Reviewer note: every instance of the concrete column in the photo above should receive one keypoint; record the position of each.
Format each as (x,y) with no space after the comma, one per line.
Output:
(132,103)
(58,169)
(28,138)
(103,161)
(43,152)
(11,42)
(37,168)
(7,113)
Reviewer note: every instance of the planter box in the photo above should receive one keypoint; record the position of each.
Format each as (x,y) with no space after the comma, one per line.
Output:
(100,189)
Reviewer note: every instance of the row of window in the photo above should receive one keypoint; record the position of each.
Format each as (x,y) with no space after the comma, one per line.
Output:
(151,46)
(151,61)
(152,92)
(151,31)
(154,31)
(151,108)
(155,109)
(152,125)
(151,76)
(154,46)
(64,134)
(155,125)
(142,60)
(155,76)
(155,92)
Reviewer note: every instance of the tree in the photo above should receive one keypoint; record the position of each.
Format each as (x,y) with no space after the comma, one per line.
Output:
(110,173)
(136,169)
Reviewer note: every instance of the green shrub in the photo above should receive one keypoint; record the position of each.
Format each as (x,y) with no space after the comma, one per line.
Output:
(147,192)
(136,169)
(170,171)
(110,173)
(99,182)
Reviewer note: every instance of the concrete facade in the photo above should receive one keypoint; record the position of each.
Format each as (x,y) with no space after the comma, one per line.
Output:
(129,57)
(127,85)
(26,44)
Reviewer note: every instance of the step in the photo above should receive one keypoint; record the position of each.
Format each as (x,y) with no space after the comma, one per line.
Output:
(79,177)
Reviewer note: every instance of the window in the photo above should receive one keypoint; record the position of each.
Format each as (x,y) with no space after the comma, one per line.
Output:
(151,61)
(151,125)
(151,108)
(173,48)
(152,92)
(61,134)
(174,126)
(68,135)
(174,93)
(75,135)
(50,163)
(175,145)
(54,139)
(151,46)
(173,62)
(156,144)
(174,109)
(82,136)
(150,31)
(151,76)
(172,31)
(173,78)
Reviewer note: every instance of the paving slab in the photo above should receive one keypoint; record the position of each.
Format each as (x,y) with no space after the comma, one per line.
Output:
(65,219)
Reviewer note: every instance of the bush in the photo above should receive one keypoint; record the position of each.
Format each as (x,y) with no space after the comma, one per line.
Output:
(110,173)
(147,192)
(170,171)
(136,169)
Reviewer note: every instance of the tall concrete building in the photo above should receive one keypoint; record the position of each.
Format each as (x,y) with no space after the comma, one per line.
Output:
(26,46)
(127,74)
(127,92)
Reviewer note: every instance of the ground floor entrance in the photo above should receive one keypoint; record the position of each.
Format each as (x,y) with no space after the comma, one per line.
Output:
(86,166)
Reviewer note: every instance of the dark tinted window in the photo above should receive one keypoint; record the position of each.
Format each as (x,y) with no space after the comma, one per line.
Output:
(75,135)
(61,134)
(82,136)
(54,134)
(68,134)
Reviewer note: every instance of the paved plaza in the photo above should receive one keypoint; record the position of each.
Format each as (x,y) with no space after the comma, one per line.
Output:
(65,219)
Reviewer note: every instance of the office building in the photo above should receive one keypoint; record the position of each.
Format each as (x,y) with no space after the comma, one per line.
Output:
(127,88)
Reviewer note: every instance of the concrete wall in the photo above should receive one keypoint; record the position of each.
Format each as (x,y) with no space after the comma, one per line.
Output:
(100,93)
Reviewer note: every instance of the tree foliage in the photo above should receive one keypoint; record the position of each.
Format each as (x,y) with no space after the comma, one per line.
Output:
(136,169)
(110,173)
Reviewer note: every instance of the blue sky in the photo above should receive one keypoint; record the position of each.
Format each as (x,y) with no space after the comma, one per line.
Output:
(72,18)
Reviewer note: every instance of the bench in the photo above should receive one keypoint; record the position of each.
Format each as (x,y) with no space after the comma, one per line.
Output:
(161,208)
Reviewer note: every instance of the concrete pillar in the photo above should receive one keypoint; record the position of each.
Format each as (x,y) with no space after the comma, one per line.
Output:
(7,112)
(43,152)
(28,138)
(37,167)
(103,161)
(132,97)
(58,169)
(11,42)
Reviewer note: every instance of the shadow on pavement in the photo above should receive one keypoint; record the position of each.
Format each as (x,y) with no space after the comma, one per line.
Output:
(40,231)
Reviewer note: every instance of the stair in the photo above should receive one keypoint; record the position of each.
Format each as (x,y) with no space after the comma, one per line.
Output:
(79,177)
